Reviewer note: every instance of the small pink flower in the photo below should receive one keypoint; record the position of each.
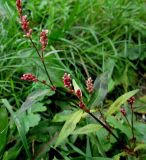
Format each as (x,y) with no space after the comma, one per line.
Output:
(19,6)
(89,84)
(79,93)
(25,26)
(29,77)
(123,111)
(67,81)
(44,39)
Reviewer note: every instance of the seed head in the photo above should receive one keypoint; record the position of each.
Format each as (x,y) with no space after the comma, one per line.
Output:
(29,77)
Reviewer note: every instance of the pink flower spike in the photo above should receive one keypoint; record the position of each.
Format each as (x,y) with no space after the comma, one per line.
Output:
(19,6)
(89,84)
(25,26)
(44,39)
(79,93)
(67,80)
(29,77)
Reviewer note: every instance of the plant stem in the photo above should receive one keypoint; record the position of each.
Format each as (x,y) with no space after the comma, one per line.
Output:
(127,121)
(132,126)
(42,60)
(44,83)
(35,47)
(109,130)
(105,126)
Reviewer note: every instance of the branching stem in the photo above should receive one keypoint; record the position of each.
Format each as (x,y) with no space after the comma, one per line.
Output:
(42,60)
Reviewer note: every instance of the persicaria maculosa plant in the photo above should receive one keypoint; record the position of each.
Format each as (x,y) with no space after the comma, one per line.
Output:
(72,88)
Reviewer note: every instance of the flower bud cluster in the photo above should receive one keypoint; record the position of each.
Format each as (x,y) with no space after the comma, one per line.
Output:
(68,84)
(89,85)
(19,6)
(24,22)
(29,77)
(67,81)
(131,100)
(25,26)
(44,39)
(79,93)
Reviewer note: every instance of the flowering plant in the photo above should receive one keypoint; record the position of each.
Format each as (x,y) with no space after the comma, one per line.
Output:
(113,128)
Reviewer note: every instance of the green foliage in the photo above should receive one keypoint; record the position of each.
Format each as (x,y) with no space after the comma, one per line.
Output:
(89,128)
(3,128)
(101,39)
(69,126)
(101,89)
(116,105)
(19,125)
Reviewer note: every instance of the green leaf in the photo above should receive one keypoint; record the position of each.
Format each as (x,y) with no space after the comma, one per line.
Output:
(13,152)
(33,98)
(122,99)
(140,105)
(88,149)
(3,128)
(103,141)
(140,129)
(116,124)
(19,125)
(101,158)
(30,120)
(69,126)
(140,147)
(117,157)
(75,85)
(62,116)
(89,128)
(101,89)
(76,149)
(38,107)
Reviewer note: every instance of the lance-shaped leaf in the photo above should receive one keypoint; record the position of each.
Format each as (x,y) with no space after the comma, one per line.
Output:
(3,128)
(140,147)
(19,125)
(89,128)
(122,99)
(116,124)
(101,89)
(69,126)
